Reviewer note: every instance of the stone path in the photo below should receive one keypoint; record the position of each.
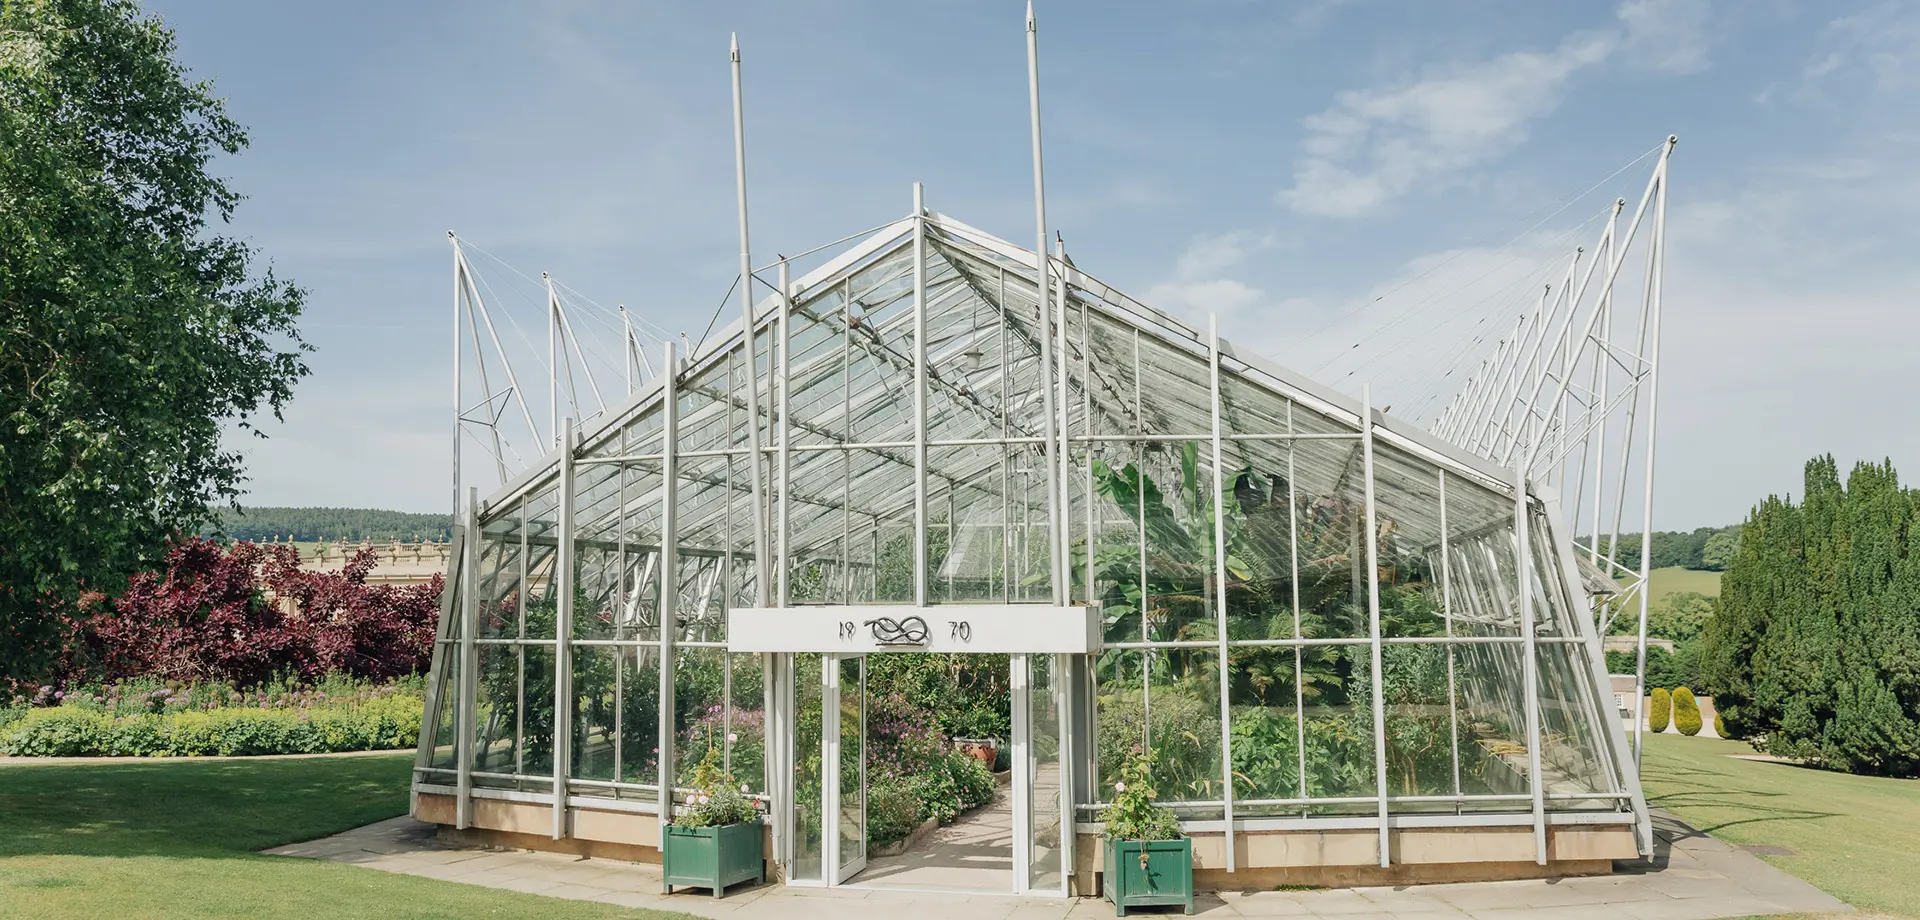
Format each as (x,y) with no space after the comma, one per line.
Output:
(1694,877)
(974,853)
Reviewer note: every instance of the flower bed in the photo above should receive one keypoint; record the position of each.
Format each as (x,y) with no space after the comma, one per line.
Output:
(913,775)
(154,719)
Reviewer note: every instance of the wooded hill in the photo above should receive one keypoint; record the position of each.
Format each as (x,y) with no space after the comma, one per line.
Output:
(307,525)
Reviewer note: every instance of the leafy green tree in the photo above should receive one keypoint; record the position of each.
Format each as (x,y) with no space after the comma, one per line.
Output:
(130,334)
(1681,616)
(1719,549)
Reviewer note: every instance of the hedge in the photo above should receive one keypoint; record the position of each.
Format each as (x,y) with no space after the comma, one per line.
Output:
(1686,712)
(387,723)
(1658,710)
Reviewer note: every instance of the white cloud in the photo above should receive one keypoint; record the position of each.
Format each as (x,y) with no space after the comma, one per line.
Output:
(1374,145)
(1200,284)
(1199,298)
(1669,36)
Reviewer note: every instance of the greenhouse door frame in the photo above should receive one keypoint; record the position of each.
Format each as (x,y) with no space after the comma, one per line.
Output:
(838,868)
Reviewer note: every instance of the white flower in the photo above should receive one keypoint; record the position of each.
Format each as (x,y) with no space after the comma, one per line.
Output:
(743,787)
(732,737)
(1119,787)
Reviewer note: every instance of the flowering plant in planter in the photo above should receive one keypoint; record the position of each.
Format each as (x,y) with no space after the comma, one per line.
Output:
(1148,860)
(717,840)
(716,802)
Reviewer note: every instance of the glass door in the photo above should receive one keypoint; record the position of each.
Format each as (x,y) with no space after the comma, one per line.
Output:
(844,758)
(1042,796)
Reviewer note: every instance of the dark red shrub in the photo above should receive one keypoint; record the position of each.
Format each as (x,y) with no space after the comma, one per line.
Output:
(246,613)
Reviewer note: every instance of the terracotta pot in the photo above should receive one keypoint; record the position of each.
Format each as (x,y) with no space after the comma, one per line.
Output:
(985,751)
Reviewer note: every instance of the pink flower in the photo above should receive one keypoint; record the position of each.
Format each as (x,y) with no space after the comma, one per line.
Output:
(732,737)
(1119,787)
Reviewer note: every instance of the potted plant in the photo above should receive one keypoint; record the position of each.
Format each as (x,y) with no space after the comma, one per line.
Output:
(717,840)
(1148,861)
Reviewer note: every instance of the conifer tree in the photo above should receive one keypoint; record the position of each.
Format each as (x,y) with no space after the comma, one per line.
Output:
(1815,650)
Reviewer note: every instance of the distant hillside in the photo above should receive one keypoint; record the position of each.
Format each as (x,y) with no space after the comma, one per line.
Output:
(1706,549)
(1674,579)
(309,525)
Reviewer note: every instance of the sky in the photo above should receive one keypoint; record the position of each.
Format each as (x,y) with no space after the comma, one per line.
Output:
(1360,190)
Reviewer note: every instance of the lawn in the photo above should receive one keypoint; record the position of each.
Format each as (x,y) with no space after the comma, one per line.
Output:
(1674,579)
(177,839)
(1858,837)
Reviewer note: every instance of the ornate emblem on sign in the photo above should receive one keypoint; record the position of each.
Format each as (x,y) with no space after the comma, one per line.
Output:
(905,631)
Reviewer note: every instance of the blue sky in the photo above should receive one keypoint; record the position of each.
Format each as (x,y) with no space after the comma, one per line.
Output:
(1281,164)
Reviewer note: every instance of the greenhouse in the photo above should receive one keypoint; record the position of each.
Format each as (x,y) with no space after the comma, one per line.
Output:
(1357,652)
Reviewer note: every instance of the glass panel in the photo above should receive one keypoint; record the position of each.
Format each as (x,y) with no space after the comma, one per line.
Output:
(1339,723)
(1167,699)
(808,788)
(1406,493)
(852,820)
(1043,749)
(445,728)
(747,722)
(1419,721)
(700,718)
(1491,683)
(497,712)
(595,729)
(639,716)
(1266,727)
(1330,509)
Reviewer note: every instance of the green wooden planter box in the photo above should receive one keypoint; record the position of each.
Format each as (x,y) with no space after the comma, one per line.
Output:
(1164,877)
(712,857)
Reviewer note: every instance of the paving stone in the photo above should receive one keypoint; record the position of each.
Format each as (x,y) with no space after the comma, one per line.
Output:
(1698,879)
(1270,904)
(529,885)
(1697,908)
(632,899)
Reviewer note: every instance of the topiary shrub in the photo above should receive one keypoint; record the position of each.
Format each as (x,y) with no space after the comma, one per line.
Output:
(1659,709)
(1686,712)
(1719,725)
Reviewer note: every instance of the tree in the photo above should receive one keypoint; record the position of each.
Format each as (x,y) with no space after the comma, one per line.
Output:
(1680,616)
(131,335)
(1658,710)
(1815,651)
(1719,549)
(266,525)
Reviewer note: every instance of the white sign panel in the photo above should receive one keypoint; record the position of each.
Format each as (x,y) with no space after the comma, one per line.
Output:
(856,630)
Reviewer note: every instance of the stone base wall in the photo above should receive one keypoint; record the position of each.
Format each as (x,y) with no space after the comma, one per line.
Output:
(1263,859)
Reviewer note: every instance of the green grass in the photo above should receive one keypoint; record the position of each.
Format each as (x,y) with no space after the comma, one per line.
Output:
(1673,579)
(176,839)
(1858,837)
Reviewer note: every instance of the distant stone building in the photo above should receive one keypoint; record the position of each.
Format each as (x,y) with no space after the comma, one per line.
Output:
(399,563)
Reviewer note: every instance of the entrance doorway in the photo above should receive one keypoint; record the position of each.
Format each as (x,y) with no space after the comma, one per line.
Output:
(845,760)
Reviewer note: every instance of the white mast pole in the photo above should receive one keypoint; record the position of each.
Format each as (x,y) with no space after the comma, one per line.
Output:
(553,360)
(1056,515)
(1656,265)
(456,373)
(626,346)
(760,560)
